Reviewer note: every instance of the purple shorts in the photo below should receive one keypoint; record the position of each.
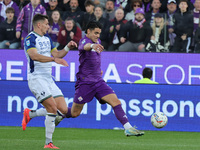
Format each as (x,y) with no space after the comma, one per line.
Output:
(86,92)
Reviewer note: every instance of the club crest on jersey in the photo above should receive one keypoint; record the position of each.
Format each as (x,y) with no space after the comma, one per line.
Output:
(42,93)
(80,98)
(28,43)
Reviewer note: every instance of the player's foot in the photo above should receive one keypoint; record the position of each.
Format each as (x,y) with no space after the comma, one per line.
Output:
(26,118)
(50,145)
(58,120)
(133,132)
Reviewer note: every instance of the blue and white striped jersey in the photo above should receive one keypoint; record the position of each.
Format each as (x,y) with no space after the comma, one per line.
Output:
(44,46)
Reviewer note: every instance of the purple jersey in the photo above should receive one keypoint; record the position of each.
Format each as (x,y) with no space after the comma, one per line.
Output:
(90,63)
(24,20)
(3,8)
(55,30)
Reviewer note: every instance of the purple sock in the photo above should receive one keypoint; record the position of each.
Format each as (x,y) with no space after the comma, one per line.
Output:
(68,114)
(120,114)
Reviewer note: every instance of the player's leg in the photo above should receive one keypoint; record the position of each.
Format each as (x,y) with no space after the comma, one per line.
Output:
(83,94)
(60,102)
(40,87)
(37,113)
(51,108)
(37,87)
(121,115)
(74,111)
(119,112)
(106,94)
(62,109)
(29,114)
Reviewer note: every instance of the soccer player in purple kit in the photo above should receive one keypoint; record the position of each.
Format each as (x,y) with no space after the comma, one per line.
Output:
(90,83)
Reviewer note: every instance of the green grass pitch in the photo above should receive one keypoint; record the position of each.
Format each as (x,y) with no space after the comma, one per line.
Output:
(13,138)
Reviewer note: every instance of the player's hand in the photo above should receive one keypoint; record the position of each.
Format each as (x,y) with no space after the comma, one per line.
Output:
(71,45)
(61,61)
(98,48)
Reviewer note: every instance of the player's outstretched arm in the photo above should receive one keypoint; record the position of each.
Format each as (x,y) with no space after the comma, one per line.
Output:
(37,57)
(60,54)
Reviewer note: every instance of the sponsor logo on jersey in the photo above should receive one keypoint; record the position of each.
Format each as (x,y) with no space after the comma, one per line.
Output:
(28,43)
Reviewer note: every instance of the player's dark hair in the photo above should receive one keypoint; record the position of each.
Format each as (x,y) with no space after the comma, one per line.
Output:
(39,17)
(10,10)
(92,25)
(147,73)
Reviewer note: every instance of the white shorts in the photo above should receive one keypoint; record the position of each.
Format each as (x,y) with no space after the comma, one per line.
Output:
(43,88)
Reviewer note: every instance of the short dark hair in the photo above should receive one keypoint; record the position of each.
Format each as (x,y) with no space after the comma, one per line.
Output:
(88,3)
(10,10)
(147,73)
(92,25)
(39,17)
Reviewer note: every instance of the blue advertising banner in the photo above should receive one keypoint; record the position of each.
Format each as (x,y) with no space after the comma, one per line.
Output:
(118,67)
(181,103)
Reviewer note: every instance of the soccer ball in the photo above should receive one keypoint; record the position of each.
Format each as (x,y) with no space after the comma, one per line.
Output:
(159,120)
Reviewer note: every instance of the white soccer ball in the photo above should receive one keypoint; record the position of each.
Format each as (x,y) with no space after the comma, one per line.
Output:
(159,120)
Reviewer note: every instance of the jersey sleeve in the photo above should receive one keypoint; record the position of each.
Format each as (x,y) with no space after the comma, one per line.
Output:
(29,42)
(82,43)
